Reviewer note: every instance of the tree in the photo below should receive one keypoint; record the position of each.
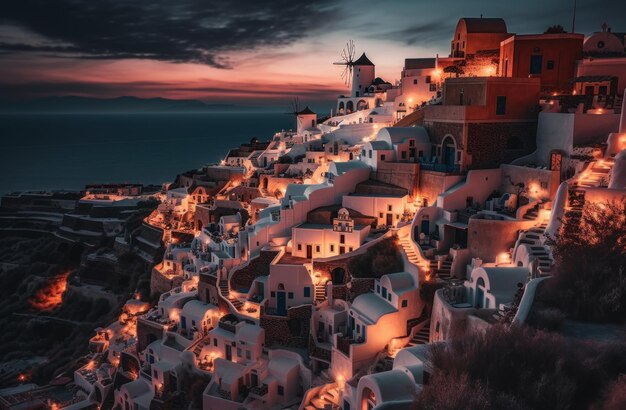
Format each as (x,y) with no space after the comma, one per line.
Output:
(590,262)
(555,29)
(453,69)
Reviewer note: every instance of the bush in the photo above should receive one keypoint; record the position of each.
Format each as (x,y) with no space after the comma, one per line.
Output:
(378,260)
(522,368)
(590,256)
(548,319)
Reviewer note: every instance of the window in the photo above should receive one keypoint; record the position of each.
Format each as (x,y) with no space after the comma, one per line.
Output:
(384,292)
(411,143)
(332,248)
(239,352)
(248,355)
(403,154)
(550,65)
(307,291)
(215,340)
(281,390)
(350,249)
(536,63)
(405,303)
(500,105)
(427,80)
(389,297)
(363,152)
(370,153)
(317,249)
(342,238)
(377,288)
(415,81)
(380,215)
(273,294)
(382,157)
(600,44)
(389,208)
(290,295)
(358,328)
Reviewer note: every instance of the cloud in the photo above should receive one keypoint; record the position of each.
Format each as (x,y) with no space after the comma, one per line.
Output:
(181,31)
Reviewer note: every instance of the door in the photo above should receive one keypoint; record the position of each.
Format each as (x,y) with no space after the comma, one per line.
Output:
(254,379)
(389,219)
(342,250)
(426,227)
(229,352)
(183,322)
(309,251)
(281,303)
(536,62)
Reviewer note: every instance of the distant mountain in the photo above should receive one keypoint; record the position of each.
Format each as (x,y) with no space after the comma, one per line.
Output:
(118,105)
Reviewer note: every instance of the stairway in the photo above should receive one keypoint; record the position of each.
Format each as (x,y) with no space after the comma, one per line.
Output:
(407,246)
(329,400)
(320,293)
(224,290)
(532,213)
(422,337)
(443,272)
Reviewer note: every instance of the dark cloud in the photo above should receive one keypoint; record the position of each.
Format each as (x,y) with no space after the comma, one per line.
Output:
(175,31)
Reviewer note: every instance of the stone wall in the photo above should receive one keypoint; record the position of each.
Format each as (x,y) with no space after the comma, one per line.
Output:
(147,332)
(438,131)
(433,183)
(259,266)
(402,174)
(292,330)
(487,142)
(160,283)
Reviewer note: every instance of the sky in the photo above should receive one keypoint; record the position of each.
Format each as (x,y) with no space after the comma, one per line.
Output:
(249,52)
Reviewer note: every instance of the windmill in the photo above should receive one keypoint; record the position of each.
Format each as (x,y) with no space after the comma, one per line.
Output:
(303,115)
(347,60)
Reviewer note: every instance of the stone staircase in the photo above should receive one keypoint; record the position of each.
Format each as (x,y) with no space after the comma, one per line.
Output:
(407,246)
(422,337)
(328,400)
(532,213)
(441,269)
(225,291)
(320,293)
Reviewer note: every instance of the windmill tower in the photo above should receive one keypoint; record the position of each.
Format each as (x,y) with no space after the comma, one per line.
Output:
(305,118)
(358,73)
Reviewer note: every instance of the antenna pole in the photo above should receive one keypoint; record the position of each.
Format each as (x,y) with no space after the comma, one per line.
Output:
(574,18)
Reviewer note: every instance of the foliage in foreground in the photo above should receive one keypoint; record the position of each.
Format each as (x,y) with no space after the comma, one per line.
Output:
(590,256)
(522,368)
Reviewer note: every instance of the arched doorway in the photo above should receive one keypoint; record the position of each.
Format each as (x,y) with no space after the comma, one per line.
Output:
(448,150)
(341,107)
(281,300)
(480,293)
(338,276)
(349,107)
(361,105)
(368,399)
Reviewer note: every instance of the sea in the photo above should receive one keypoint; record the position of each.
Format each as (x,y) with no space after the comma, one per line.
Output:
(67,151)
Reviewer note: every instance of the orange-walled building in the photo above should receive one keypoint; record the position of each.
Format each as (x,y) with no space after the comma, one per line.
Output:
(550,57)
(477,34)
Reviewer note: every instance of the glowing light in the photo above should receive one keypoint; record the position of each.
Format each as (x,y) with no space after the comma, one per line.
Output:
(410,100)
(574,92)
(50,296)
(21,378)
(489,71)
(341,381)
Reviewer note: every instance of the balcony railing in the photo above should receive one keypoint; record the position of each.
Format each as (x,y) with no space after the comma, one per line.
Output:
(259,391)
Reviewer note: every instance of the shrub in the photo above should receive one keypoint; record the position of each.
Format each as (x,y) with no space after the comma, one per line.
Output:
(522,368)
(378,260)
(590,256)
